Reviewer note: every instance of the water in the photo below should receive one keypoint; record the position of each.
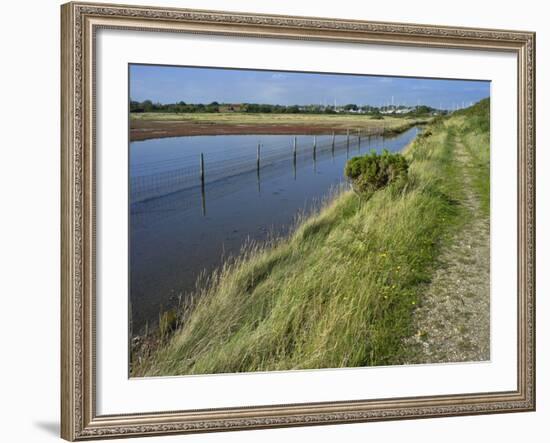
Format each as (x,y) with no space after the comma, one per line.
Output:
(179,228)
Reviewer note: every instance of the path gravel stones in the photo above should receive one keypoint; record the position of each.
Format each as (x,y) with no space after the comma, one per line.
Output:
(453,320)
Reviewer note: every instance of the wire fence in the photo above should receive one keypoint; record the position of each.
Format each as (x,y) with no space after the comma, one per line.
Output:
(200,199)
(161,178)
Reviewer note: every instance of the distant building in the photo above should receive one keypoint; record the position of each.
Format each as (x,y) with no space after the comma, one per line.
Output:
(397,111)
(404,111)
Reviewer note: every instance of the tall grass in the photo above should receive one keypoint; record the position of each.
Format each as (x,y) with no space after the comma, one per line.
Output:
(339,291)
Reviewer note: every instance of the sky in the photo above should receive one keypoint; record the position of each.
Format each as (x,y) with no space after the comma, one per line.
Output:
(170,84)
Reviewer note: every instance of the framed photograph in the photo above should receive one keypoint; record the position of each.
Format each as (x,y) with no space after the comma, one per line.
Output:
(283,221)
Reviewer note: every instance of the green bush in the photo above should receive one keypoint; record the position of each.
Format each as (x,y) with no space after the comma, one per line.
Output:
(427,133)
(168,323)
(375,171)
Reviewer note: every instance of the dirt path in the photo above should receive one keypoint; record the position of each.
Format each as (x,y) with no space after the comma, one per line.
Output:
(453,321)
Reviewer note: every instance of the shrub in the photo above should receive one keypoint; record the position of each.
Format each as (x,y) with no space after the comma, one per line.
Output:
(375,171)
(427,133)
(168,323)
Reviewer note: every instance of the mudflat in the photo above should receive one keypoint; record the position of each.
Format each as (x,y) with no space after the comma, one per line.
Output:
(148,126)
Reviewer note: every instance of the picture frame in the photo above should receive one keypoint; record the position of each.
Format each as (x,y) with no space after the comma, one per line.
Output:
(79,396)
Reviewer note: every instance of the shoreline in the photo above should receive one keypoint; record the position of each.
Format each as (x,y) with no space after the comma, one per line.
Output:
(144,129)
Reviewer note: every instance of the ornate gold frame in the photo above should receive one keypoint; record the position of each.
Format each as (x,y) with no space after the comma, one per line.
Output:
(80,21)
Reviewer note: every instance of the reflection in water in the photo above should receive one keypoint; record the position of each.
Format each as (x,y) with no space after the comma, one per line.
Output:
(194,201)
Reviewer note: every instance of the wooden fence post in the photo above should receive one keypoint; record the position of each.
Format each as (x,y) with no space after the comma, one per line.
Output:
(203,194)
(202,168)
(294,156)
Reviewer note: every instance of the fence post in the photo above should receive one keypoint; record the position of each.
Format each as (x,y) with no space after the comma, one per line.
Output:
(314,153)
(347,143)
(359,140)
(203,194)
(202,168)
(258,167)
(294,157)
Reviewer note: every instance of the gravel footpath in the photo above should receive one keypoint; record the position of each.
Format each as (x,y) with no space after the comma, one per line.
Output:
(453,321)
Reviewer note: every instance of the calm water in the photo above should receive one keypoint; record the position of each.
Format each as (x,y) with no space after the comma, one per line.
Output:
(179,228)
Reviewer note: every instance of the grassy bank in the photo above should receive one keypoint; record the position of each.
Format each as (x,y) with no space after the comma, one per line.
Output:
(474,127)
(340,291)
(453,322)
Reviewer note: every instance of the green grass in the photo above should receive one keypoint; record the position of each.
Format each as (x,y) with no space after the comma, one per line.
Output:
(475,134)
(339,292)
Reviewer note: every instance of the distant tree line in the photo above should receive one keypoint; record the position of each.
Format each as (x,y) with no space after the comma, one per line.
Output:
(182,107)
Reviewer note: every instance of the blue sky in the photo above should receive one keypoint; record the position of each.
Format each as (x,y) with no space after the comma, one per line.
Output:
(168,84)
